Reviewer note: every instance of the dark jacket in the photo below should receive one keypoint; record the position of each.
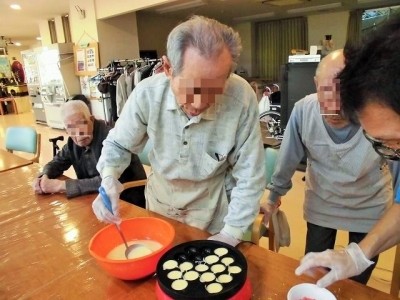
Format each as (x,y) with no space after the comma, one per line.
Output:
(84,161)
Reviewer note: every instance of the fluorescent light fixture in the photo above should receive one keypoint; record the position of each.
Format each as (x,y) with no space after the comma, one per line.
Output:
(282,2)
(172,8)
(254,17)
(366,1)
(15,6)
(17,44)
(314,8)
(39,38)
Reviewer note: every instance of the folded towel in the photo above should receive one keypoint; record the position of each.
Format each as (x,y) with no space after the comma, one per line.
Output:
(281,229)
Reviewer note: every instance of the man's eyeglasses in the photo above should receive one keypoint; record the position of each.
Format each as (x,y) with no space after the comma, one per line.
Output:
(382,150)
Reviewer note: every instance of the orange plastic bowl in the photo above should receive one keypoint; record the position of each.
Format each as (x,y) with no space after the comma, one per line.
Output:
(146,228)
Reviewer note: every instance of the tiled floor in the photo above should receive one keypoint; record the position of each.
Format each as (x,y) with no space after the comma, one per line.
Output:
(291,204)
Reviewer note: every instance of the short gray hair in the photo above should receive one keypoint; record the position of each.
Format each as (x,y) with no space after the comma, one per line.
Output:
(74,107)
(206,35)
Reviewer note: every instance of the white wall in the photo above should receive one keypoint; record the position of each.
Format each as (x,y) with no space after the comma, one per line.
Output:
(331,23)
(15,51)
(152,36)
(83,30)
(59,29)
(118,38)
(45,32)
(246,33)
(107,8)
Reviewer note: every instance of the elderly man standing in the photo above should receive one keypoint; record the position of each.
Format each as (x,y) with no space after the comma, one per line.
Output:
(370,92)
(82,151)
(202,120)
(348,185)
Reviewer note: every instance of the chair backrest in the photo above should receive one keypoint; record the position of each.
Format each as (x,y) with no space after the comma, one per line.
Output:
(144,155)
(271,156)
(24,139)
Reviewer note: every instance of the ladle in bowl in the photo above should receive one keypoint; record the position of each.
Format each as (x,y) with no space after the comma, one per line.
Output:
(107,204)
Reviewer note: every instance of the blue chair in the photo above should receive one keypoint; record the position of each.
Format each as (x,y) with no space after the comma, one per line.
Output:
(23,139)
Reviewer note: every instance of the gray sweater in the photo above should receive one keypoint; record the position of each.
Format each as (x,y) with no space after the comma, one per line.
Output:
(84,162)
(348,185)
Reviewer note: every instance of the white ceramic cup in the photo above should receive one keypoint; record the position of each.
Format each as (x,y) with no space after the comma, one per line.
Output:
(309,291)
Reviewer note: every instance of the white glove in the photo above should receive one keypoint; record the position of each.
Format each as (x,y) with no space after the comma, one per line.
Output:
(268,208)
(113,189)
(343,264)
(225,238)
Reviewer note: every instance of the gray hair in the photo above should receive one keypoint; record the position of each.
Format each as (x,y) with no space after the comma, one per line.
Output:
(75,107)
(206,35)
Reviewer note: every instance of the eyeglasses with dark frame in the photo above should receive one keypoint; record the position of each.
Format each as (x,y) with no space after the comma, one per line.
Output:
(381,149)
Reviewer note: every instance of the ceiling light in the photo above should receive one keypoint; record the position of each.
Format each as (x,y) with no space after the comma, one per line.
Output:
(365,1)
(281,2)
(17,44)
(172,8)
(314,8)
(254,17)
(39,38)
(15,6)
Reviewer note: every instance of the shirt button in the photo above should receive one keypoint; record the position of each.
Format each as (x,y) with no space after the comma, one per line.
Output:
(185,143)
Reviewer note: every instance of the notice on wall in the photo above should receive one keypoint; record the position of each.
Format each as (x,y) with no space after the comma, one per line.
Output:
(5,68)
(86,59)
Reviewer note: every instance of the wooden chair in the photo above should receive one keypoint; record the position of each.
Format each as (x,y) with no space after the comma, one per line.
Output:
(10,100)
(23,139)
(395,285)
(258,229)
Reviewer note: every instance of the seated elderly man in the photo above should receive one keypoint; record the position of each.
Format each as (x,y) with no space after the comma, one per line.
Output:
(82,151)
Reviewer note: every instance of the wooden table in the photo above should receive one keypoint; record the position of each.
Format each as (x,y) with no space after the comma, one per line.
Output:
(10,161)
(44,251)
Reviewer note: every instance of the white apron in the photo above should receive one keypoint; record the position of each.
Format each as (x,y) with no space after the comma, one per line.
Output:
(200,204)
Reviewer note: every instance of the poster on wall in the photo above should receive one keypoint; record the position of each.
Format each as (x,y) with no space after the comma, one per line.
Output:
(86,59)
(5,68)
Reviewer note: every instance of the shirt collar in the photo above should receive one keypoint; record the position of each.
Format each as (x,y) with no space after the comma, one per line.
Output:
(208,114)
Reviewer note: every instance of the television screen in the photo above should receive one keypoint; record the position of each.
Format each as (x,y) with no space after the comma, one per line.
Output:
(149,54)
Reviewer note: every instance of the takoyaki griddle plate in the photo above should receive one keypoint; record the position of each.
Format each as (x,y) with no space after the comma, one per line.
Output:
(198,252)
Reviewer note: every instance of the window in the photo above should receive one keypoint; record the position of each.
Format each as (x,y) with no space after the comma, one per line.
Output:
(66,28)
(373,17)
(53,32)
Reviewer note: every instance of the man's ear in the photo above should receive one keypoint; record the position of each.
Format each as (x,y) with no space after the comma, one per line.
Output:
(167,67)
(316,83)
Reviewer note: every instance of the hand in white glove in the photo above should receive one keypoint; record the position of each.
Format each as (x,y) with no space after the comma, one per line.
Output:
(225,238)
(343,264)
(113,189)
(268,208)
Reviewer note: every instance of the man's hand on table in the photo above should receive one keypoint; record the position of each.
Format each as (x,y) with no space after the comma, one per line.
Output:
(342,264)
(113,189)
(44,185)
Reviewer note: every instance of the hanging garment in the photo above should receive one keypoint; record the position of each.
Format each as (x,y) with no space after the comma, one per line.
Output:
(121,93)
(264,104)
